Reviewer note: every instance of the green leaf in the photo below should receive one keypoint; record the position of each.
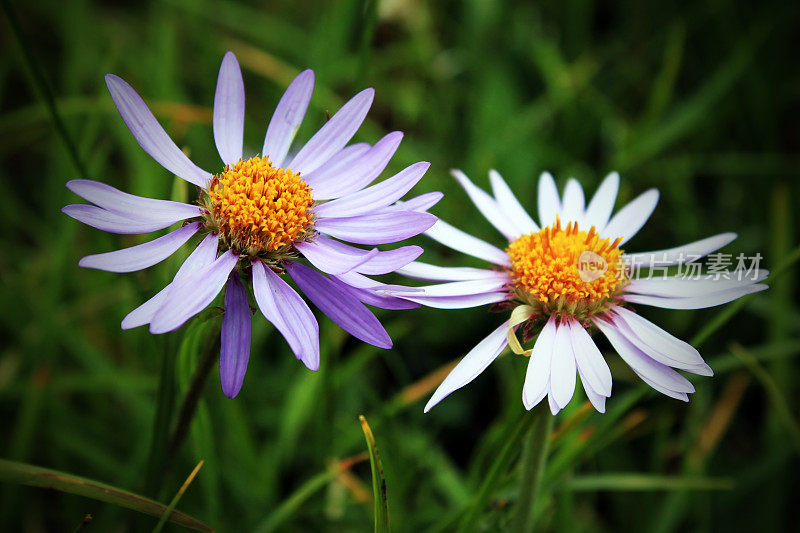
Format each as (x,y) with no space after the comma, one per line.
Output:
(35,476)
(643,482)
(380,499)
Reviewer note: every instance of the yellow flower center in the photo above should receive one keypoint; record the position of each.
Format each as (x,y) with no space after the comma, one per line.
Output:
(258,208)
(566,269)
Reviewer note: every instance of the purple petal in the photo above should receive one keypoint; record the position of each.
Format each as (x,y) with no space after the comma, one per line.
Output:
(338,164)
(287,117)
(99,218)
(228,119)
(235,338)
(420,203)
(376,196)
(377,228)
(203,255)
(192,293)
(150,135)
(129,205)
(471,366)
(390,260)
(360,173)
(328,258)
(287,311)
(370,297)
(381,262)
(142,255)
(360,281)
(335,134)
(343,308)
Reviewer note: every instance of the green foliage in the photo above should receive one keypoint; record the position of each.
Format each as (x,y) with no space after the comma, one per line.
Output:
(698,100)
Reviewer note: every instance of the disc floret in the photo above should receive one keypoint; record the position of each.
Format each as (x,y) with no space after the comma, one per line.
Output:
(566,270)
(258,209)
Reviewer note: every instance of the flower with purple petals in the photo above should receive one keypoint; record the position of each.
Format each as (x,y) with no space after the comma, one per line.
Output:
(259,216)
(566,275)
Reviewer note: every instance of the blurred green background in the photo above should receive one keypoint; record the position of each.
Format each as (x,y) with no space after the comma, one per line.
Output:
(698,99)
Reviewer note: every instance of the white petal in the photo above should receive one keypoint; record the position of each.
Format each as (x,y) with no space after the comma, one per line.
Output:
(460,288)
(574,202)
(651,334)
(696,302)
(677,287)
(602,205)
(472,364)
(630,219)
(425,271)
(510,205)
(457,302)
(547,200)
(465,243)
(563,370)
(680,254)
(591,363)
(487,206)
(597,400)
(643,365)
(537,376)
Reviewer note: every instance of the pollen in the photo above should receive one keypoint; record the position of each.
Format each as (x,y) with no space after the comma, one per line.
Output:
(258,208)
(566,269)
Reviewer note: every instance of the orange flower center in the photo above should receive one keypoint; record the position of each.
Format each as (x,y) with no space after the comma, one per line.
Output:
(258,208)
(566,269)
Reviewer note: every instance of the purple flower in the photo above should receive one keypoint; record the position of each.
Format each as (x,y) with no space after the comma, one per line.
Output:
(567,274)
(260,216)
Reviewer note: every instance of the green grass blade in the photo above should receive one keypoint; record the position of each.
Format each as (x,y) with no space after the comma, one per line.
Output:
(380,499)
(645,482)
(171,507)
(35,476)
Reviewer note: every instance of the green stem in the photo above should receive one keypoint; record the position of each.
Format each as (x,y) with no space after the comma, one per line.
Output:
(192,398)
(534,456)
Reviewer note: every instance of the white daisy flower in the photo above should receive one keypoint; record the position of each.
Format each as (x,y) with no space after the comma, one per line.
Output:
(565,275)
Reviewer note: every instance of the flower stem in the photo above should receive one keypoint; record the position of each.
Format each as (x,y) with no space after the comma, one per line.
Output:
(192,398)
(534,456)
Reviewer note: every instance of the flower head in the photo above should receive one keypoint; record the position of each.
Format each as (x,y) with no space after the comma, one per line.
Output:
(565,276)
(260,216)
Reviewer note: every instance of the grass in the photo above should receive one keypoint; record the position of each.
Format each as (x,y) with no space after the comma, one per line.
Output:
(697,100)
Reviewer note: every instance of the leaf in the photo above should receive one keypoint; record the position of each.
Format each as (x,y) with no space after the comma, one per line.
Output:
(641,482)
(378,480)
(36,476)
(171,507)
